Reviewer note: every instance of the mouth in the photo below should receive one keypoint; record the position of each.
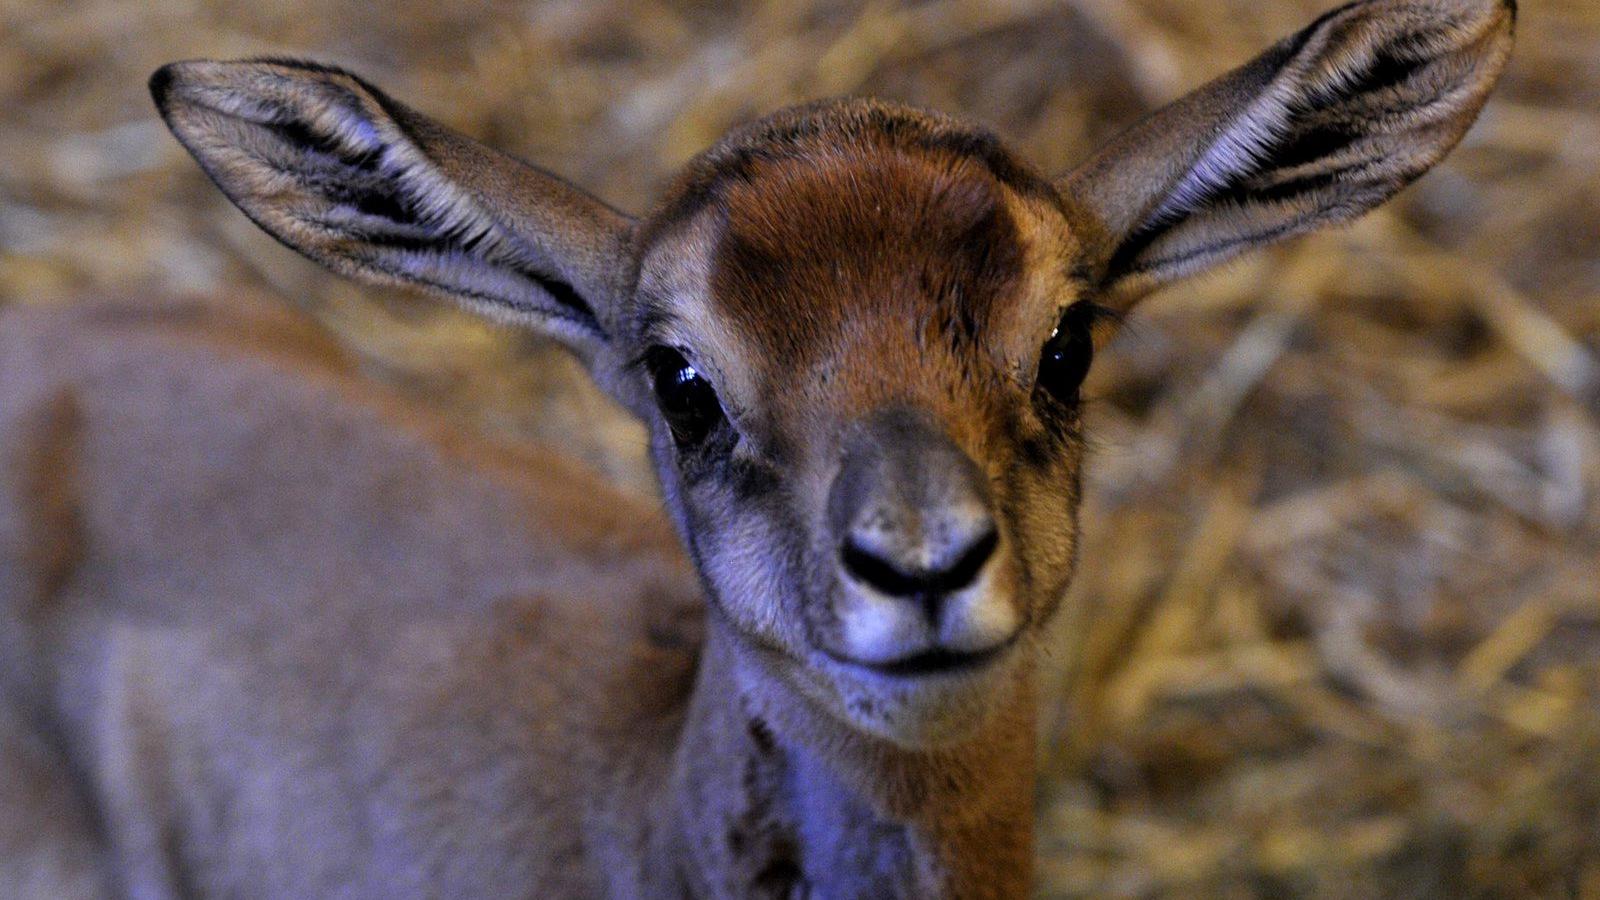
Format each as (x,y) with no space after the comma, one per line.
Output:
(933,662)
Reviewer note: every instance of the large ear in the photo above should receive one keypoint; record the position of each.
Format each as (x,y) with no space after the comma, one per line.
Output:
(1322,127)
(335,169)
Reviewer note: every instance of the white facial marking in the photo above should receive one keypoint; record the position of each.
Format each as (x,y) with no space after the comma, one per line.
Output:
(881,629)
(979,618)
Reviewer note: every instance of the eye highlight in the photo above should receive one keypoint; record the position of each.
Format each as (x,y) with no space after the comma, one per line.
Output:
(686,398)
(1065,360)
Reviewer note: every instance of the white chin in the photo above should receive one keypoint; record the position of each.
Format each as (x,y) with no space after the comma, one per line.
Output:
(922,711)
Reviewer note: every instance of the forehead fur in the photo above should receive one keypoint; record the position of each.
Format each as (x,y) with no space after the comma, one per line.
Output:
(812,245)
(823,219)
(841,125)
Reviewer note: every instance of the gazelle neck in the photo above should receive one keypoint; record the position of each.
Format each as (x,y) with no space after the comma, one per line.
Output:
(768,796)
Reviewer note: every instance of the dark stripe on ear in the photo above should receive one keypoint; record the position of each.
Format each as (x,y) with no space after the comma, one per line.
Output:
(1271,63)
(560,291)
(563,293)
(1327,124)
(1222,247)
(1291,188)
(377,197)
(373,200)
(1389,69)
(557,289)
(297,134)
(1121,263)
(1257,190)
(333,168)
(1315,143)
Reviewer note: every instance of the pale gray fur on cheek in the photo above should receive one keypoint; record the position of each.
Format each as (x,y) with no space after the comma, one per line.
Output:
(743,553)
(759,570)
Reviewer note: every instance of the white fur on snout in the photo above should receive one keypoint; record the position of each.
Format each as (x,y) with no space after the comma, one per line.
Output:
(979,618)
(882,629)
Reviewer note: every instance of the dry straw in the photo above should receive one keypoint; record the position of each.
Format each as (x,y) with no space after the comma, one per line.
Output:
(1338,624)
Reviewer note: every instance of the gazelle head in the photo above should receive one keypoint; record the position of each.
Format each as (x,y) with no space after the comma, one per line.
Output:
(857,331)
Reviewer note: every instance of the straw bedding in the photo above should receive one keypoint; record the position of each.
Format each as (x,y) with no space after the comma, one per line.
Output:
(1338,627)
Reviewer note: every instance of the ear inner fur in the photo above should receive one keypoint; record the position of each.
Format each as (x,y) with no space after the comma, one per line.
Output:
(334,168)
(1329,123)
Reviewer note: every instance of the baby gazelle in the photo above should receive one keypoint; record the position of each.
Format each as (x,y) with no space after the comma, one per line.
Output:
(279,661)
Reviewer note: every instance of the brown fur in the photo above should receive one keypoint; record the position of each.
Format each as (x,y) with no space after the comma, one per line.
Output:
(269,631)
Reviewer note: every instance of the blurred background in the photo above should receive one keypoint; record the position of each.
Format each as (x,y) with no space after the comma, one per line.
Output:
(1338,627)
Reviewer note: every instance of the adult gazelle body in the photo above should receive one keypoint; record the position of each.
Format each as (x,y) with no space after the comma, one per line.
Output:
(267,632)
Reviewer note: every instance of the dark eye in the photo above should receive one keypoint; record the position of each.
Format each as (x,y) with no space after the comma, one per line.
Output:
(1064,363)
(686,399)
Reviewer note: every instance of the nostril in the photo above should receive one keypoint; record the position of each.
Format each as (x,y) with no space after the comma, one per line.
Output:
(900,580)
(971,561)
(869,568)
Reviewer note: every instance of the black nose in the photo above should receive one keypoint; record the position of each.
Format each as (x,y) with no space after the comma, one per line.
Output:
(910,510)
(955,566)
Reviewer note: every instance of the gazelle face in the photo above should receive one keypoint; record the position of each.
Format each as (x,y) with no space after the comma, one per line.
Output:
(858,331)
(865,342)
